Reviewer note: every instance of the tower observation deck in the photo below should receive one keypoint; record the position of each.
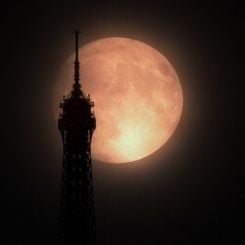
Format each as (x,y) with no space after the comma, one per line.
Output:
(76,125)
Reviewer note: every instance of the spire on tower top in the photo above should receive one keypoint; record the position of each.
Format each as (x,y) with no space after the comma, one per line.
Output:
(76,63)
(76,86)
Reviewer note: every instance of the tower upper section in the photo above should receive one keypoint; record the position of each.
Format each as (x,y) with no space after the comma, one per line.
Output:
(77,108)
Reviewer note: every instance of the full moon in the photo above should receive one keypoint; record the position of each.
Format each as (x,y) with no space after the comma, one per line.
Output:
(137,94)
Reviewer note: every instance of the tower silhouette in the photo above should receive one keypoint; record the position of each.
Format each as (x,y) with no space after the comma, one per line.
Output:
(76,125)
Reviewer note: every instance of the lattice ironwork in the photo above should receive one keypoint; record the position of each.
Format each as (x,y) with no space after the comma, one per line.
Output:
(76,125)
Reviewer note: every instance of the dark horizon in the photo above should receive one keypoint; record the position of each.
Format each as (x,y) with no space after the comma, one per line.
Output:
(187,191)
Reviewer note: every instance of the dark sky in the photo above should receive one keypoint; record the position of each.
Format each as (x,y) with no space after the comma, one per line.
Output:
(188,191)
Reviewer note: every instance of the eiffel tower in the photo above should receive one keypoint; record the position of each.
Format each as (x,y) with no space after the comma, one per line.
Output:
(76,125)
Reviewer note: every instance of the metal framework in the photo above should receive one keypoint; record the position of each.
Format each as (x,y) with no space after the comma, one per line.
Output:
(76,125)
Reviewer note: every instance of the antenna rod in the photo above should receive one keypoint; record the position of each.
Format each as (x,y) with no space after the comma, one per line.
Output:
(76,63)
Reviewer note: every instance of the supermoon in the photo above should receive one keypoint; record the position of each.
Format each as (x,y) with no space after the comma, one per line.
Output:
(137,94)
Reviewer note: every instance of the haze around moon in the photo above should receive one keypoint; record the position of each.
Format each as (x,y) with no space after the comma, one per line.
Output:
(137,94)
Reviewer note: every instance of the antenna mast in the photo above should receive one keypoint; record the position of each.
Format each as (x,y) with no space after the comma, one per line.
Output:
(76,63)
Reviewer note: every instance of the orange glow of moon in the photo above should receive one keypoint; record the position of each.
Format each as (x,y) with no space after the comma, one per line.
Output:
(137,94)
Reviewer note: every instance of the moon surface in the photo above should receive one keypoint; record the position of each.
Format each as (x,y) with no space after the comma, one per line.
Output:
(137,94)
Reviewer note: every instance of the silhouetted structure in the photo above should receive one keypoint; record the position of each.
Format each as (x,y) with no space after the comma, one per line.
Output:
(76,125)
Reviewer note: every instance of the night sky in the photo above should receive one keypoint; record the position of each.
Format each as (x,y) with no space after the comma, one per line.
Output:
(186,192)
